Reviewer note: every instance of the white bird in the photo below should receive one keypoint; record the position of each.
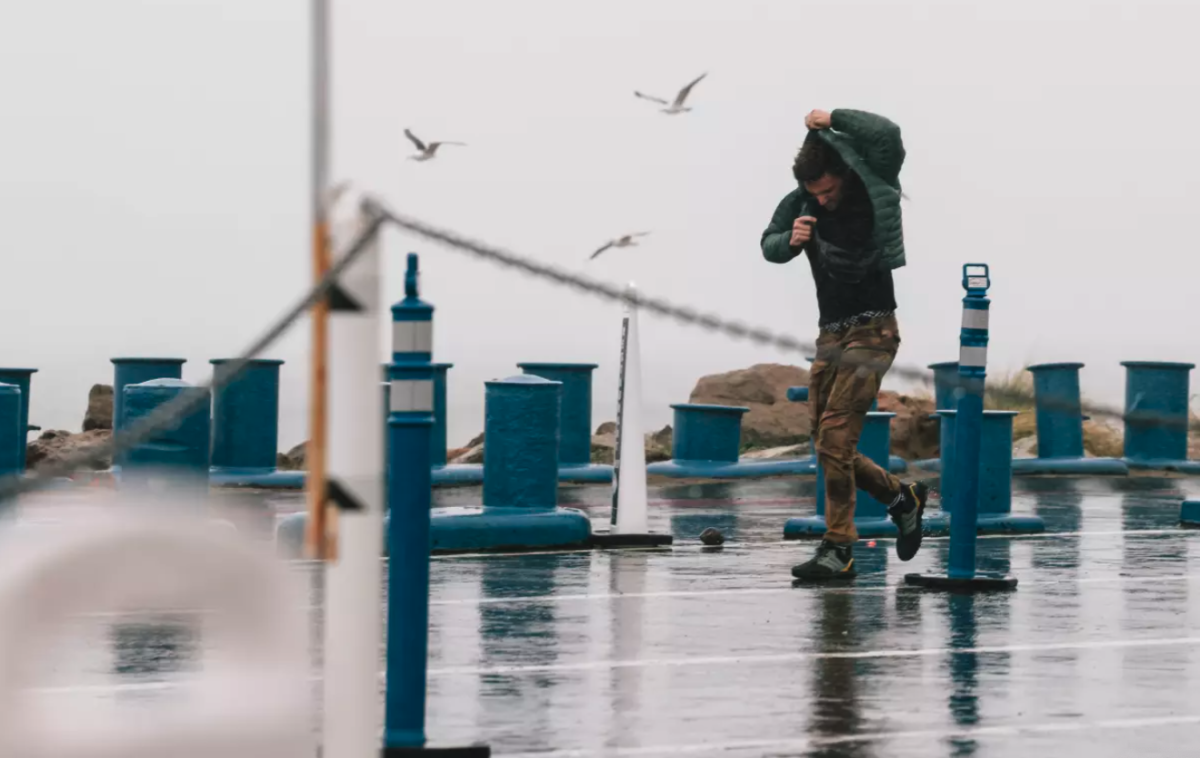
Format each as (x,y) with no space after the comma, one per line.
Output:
(677,106)
(426,151)
(625,241)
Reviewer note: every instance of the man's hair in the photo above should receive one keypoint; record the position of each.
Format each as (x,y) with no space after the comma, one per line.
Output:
(817,158)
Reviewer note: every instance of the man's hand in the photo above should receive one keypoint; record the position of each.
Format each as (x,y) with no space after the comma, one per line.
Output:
(818,120)
(802,229)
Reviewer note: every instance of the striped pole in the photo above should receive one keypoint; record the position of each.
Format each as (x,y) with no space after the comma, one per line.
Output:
(968,434)
(355,485)
(410,426)
(972,371)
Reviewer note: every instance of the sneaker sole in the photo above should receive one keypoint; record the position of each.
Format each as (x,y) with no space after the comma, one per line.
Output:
(842,577)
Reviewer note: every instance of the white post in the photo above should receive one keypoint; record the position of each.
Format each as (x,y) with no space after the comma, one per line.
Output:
(353,584)
(629,475)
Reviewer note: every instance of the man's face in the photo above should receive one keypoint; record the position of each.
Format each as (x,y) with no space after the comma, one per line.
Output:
(827,190)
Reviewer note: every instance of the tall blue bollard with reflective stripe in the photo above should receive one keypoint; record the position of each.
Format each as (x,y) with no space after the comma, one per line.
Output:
(972,371)
(410,429)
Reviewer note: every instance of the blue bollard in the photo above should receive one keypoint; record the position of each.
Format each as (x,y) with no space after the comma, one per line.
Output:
(945,397)
(21,378)
(246,429)
(128,371)
(1189,514)
(706,444)
(437,443)
(972,370)
(520,481)
(945,384)
(575,419)
(870,515)
(177,456)
(994,513)
(12,439)
(1156,416)
(1060,426)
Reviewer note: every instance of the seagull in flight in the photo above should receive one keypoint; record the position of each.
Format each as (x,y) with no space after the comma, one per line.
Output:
(677,106)
(625,241)
(426,151)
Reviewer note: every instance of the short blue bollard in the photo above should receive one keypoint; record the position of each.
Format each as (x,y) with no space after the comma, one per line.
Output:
(994,513)
(870,515)
(12,438)
(945,397)
(575,419)
(520,482)
(972,369)
(945,384)
(21,378)
(1189,514)
(128,371)
(246,429)
(706,443)
(176,456)
(1156,416)
(437,443)
(1060,427)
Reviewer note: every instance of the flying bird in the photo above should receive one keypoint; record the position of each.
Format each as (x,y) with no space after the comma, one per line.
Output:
(625,241)
(677,106)
(426,151)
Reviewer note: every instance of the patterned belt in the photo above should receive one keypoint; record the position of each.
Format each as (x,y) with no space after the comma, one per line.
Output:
(856,320)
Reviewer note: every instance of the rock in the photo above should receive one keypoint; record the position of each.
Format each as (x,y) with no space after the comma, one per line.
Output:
(292,460)
(100,408)
(476,442)
(56,445)
(772,420)
(608,427)
(604,446)
(658,445)
(711,536)
(472,454)
(1025,447)
(915,435)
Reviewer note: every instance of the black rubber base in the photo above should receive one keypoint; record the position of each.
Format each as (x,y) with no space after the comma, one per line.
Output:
(977,583)
(607,539)
(470,751)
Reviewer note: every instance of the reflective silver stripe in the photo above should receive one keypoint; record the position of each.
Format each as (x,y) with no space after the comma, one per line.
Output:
(412,336)
(972,356)
(975,319)
(411,395)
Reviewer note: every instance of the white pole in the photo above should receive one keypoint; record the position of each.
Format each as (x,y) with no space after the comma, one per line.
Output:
(629,478)
(353,583)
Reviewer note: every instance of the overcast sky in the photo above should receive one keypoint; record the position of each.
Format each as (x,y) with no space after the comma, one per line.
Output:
(154,164)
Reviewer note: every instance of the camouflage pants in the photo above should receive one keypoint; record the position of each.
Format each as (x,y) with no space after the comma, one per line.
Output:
(843,382)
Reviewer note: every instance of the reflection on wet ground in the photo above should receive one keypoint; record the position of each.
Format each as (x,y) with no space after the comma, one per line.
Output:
(695,650)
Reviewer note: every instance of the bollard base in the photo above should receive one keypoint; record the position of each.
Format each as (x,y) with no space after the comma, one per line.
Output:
(257,478)
(586,473)
(1158,464)
(468,751)
(1069,467)
(461,530)
(977,583)
(744,469)
(928,464)
(456,474)
(813,527)
(606,540)
(1007,523)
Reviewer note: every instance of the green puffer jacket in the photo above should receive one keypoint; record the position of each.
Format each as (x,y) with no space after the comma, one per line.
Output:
(872,148)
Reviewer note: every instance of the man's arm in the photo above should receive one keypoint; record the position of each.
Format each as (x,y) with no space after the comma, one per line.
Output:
(877,138)
(776,238)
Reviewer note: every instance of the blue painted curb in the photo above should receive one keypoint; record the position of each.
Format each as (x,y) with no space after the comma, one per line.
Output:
(457,473)
(813,527)
(1070,466)
(470,529)
(1158,464)
(740,470)
(1189,513)
(270,479)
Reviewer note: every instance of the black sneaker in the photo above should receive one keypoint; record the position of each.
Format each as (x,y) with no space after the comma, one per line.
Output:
(907,515)
(832,561)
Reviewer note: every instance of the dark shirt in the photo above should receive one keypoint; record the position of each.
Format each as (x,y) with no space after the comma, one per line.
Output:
(845,259)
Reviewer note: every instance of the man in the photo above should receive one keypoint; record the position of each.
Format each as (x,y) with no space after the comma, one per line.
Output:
(845,216)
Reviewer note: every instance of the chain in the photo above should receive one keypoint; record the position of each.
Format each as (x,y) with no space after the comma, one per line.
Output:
(737,330)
